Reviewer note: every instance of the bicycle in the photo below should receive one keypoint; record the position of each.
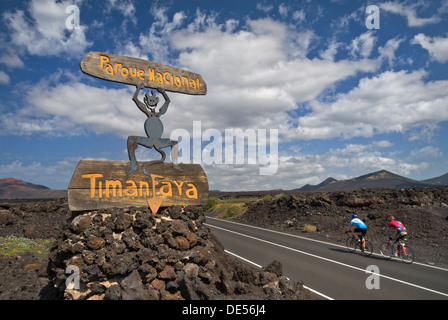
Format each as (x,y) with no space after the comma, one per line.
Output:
(352,244)
(404,251)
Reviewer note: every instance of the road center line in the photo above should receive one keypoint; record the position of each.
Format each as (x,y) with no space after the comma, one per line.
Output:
(329,260)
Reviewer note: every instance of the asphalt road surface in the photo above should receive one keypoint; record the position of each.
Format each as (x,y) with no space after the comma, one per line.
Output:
(329,269)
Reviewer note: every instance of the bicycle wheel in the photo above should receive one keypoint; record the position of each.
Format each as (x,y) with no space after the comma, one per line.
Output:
(351,244)
(368,248)
(406,254)
(386,250)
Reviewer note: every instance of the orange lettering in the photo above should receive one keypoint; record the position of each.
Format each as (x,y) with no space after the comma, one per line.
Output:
(179,186)
(140,74)
(192,193)
(185,82)
(103,59)
(133,74)
(127,72)
(131,191)
(115,184)
(169,190)
(92,177)
(116,67)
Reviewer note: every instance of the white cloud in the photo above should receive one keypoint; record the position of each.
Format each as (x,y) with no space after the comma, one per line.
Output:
(389,102)
(95,109)
(4,78)
(246,89)
(264,7)
(283,10)
(436,46)
(341,24)
(20,124)
(126,7)
(155,42)
(426,153)
(351,161)
(362,45)
(258,88)
(409,11)
(54,176)
(297,169)
(299,16)
(388,50)
(42,30)
(9,57)
(331,51)
(62,107)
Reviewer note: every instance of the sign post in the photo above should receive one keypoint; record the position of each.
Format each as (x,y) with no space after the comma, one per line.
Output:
(102,184)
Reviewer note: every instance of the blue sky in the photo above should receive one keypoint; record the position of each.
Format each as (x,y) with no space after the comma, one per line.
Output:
(346,99)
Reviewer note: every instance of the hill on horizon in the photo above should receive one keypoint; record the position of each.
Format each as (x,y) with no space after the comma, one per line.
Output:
(320,185)
(12,188)
(382,179)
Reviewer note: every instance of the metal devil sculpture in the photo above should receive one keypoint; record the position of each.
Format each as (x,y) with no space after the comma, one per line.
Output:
(153,129)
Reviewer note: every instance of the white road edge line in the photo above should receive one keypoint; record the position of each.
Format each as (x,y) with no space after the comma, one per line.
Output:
(328,243)
(259,266)
(333,261)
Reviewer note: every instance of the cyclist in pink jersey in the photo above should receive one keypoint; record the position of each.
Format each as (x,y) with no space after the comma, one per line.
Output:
(399,228)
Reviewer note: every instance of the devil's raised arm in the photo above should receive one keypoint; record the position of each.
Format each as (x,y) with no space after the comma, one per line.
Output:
(139,104)
(164,108)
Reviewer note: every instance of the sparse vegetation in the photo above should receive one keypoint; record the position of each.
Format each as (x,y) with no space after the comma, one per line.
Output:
(211,204)
(232,212)
(11,246)
(309,228)
(228,208)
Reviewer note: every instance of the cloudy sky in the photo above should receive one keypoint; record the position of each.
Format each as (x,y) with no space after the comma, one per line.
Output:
(348,91)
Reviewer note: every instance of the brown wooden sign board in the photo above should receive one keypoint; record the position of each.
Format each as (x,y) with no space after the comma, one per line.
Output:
(103,184)
(135,71)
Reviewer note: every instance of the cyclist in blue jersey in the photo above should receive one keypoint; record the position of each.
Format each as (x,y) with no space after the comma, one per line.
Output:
(357,226)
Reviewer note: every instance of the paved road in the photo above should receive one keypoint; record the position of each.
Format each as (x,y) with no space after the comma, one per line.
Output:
(328,268)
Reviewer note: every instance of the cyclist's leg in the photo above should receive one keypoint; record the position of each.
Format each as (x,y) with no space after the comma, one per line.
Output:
(395,243)
(363,235)
(356,233)
(400,236)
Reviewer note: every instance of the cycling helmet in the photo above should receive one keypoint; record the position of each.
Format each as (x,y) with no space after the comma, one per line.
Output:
(390,218)
(354,216)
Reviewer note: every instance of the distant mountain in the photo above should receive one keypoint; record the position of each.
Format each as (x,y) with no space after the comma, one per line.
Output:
(320,185)
(441,181)
(377,180)
(11,188)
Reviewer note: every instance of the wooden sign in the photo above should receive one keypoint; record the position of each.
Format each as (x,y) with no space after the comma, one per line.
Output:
(135,71)
(103,184)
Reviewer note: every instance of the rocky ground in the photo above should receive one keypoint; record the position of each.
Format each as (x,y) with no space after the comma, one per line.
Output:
(128,254)
(23,275)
